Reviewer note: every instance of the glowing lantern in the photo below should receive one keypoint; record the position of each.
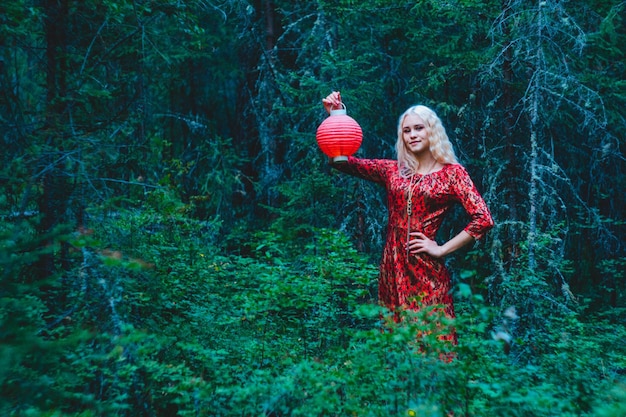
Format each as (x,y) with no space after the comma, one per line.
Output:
(339,135)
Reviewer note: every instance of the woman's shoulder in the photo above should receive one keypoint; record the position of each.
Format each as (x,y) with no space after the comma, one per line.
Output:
(455,173)
(454,168)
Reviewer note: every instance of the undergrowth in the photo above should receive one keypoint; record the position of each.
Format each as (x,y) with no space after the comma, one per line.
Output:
(158,319)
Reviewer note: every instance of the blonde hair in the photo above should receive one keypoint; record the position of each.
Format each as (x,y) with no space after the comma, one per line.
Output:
(440,145)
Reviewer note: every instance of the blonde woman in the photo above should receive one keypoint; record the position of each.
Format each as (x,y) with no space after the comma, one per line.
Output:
(422,186)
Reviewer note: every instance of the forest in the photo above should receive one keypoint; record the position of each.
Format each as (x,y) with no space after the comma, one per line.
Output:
(174,243)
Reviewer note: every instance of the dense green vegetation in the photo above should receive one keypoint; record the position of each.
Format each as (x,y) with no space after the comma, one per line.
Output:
(173,242)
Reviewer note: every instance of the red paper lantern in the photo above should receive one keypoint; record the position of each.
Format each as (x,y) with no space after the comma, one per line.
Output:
(339,135)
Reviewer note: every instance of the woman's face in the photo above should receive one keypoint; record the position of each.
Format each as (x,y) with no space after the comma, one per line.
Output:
(415,134)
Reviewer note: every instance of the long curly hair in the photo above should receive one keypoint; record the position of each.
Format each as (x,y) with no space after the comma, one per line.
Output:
(440,145)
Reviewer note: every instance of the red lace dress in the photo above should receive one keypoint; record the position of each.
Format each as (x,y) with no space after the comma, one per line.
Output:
(411,280)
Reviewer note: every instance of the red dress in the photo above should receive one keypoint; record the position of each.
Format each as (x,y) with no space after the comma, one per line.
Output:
(414,280)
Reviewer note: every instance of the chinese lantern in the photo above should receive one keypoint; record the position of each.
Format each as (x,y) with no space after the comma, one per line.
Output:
(339,135)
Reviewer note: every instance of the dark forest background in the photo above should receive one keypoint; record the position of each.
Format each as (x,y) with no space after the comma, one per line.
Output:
(174,243)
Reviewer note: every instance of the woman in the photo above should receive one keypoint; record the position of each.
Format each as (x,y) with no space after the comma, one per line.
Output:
(422,186)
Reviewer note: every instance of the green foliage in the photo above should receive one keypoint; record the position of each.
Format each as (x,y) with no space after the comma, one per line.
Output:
(172,241)
(166,323)
(30,347)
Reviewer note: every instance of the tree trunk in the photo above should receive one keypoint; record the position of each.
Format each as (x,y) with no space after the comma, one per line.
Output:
(270,25)
(532,193)
(534,145)
(54,194)
(511,251)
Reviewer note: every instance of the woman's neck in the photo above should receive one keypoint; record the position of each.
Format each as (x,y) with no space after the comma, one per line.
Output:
(427,164)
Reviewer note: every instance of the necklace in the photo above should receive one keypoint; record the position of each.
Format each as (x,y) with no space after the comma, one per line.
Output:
(409,202)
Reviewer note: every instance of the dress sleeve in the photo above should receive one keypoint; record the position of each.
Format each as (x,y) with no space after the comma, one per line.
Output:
(467,194)
(375,170)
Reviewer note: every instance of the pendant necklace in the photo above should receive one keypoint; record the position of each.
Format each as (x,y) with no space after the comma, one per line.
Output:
(409,203)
